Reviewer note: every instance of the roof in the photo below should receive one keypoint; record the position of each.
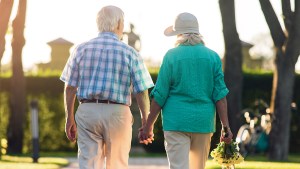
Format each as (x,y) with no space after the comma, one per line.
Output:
(246,44)
(60,41)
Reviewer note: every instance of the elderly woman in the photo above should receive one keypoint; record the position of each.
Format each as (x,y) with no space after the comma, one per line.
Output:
(189,89)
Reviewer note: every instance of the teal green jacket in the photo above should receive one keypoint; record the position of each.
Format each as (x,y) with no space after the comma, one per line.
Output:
(189,83)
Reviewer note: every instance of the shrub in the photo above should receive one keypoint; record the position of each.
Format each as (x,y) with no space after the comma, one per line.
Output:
(49,93)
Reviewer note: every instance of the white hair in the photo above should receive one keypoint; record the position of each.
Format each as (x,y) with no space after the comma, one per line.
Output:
(108,18)
(189,39)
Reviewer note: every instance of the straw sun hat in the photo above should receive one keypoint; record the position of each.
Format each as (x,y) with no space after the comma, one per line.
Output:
(184,23)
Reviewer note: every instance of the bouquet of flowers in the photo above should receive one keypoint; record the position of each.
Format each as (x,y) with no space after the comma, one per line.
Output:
(227,155)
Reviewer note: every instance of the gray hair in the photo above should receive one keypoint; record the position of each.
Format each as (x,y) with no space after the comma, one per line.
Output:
(108,18)
(189,39)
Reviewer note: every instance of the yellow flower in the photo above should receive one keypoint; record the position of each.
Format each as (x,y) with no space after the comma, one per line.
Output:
(227,154)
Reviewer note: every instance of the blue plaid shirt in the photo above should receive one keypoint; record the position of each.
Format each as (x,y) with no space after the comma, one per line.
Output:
(106,68)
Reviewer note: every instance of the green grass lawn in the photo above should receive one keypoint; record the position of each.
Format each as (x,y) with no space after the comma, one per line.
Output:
(20,162)
(261,162)
(57,161)
(257,165)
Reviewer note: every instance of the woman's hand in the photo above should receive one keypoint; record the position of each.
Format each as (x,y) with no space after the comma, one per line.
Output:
(226,136)
(146,135)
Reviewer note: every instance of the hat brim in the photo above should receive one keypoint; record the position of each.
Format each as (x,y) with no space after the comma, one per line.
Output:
(170,32)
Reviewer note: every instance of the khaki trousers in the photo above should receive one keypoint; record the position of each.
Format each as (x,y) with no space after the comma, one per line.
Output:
(104,135)
(187,150)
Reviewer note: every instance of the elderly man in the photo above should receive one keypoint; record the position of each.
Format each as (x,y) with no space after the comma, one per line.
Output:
(103,73)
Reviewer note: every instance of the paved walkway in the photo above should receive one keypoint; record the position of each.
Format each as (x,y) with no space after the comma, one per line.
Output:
(134,163)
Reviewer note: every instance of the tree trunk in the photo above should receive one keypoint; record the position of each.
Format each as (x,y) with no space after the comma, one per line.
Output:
(288,50)
(233,63)
(5,12)
(15,131)
(282,93)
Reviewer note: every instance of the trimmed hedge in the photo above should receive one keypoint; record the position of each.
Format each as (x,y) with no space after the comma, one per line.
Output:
(49,92)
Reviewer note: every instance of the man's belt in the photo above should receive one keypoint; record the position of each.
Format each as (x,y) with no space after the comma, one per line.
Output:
(97,101)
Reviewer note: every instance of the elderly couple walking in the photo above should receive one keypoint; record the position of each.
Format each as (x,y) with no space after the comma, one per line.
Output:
(103,73)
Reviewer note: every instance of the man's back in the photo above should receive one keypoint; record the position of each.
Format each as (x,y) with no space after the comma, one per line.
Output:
(106,67)
(103,73)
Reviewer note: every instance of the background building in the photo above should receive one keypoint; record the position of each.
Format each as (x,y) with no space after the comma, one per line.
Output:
(60,52)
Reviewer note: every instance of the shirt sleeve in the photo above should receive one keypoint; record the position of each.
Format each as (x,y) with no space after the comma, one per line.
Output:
(220,90)
(70,74)
(161,90)
(141,78)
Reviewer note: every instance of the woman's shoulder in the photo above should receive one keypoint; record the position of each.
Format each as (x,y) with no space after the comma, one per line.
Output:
(212,54)
(211,51)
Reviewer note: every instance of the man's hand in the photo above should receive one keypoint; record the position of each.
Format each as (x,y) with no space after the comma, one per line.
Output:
(69,101)
(71,130)
(146,136)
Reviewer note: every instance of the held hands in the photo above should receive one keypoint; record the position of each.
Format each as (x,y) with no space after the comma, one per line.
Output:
(146,135)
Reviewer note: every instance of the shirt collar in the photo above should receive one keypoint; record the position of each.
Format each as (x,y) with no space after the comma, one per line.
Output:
(198,44)
(108,34)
